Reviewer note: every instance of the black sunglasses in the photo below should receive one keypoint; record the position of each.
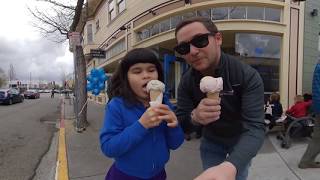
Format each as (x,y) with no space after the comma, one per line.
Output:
(199,41)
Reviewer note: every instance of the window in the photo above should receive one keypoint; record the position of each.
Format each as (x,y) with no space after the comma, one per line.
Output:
(204,13)
(255,13)
(165,25)
(97,25)
(111,9)
(175,21)
(262,52)
(219,13)
(237,12)
(272,14)
(121,4)
(89,34)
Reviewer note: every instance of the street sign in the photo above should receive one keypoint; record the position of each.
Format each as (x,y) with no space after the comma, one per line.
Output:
(98,53)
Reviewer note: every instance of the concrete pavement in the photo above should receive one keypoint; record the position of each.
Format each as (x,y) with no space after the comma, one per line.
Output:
(86,161)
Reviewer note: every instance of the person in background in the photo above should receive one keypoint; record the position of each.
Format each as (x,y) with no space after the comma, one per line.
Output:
(313,149)
(137,136)
(300,108)
(52,93)
(233,125)
(276,109)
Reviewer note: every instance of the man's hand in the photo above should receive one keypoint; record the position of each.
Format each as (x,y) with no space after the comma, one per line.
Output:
(207,111)
(224,171)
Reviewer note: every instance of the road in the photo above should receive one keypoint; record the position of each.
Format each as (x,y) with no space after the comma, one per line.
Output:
(26,132)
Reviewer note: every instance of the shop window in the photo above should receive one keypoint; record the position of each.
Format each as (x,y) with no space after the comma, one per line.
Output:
(255,13)
(237,12)
(272,14)
(262,52)
(219,13)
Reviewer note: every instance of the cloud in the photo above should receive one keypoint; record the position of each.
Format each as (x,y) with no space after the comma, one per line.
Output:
(45,60)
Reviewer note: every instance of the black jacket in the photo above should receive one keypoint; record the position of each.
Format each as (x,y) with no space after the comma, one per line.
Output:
(241,124)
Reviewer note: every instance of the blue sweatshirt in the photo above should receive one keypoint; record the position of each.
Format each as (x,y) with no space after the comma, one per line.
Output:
(137,151)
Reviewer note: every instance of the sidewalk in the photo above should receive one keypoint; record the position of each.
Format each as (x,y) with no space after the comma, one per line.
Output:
(86,162)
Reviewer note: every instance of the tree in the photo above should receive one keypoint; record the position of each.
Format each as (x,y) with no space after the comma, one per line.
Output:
(3,78)
(56,22)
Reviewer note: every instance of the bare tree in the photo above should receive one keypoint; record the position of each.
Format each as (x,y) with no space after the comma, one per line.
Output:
(55,23)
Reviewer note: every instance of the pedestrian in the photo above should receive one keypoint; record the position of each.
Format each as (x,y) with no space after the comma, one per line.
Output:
(313,149)
(52,93)
(233,125)
(135,135)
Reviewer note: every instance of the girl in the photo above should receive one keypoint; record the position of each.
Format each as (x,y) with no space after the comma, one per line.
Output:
(136,136)
(276,109)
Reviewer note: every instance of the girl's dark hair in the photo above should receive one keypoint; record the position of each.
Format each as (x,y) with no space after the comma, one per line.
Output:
(119,84)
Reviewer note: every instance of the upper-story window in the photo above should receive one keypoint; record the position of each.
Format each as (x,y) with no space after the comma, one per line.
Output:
(111,9)
(121,5)
(89,34)
(97,25)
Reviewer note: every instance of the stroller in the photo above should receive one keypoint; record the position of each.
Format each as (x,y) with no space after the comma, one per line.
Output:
(295,128)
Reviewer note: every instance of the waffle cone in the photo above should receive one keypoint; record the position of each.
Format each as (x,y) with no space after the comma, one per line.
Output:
(154,94)
(214,95)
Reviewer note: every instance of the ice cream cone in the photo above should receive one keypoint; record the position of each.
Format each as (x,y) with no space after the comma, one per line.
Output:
(212,95)
(154,94)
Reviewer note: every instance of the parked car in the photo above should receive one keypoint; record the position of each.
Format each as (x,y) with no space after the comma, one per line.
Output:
(10,96)
(31,94)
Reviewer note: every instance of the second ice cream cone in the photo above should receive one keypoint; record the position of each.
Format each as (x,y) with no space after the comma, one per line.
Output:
(214,95)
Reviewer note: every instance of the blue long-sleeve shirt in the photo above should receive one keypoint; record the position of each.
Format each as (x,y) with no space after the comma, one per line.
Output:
(137,151)
(316,89)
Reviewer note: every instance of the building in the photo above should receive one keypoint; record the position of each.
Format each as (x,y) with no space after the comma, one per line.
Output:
(267,34)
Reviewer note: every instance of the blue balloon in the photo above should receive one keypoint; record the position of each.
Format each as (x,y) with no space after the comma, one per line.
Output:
(103,78)
(89,77)
(100,71)
(94,72)
(89,87)
(101,86)
(95,80)
(95,92)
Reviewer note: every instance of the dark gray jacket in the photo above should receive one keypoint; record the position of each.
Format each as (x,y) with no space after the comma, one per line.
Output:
(241,124)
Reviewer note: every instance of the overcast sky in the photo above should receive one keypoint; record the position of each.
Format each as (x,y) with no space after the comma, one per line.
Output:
(23,47)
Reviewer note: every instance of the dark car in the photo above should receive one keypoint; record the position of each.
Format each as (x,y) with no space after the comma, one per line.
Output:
(31,94)
(10,96)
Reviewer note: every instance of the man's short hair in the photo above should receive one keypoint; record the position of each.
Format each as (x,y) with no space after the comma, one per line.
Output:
(208,24)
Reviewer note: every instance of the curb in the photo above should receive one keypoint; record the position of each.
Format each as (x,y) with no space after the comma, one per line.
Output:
(62,163)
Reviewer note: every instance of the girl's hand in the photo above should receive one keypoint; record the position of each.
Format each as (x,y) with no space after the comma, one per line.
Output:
(150,118)
(166,114)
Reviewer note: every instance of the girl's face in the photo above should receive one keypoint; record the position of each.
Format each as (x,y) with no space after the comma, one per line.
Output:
(138,76)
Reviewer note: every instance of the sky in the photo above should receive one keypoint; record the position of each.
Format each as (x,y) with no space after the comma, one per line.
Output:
(24,47)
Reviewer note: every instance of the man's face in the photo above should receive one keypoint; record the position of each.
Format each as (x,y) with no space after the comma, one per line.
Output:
(202,59)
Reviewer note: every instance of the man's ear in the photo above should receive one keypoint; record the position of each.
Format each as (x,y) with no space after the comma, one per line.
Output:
(218,38)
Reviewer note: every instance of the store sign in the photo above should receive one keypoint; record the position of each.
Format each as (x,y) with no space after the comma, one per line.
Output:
(98,53)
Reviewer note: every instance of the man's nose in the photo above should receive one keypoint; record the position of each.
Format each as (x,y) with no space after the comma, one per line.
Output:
(193,50)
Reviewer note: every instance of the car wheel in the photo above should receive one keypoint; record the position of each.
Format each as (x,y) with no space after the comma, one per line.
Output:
(10,101)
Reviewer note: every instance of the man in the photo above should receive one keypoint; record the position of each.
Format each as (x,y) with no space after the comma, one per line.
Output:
(233,126)
(313,149)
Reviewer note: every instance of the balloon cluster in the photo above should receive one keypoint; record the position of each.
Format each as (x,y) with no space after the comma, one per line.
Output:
(96,81)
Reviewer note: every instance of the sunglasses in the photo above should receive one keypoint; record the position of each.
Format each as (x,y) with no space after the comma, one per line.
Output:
(199,41)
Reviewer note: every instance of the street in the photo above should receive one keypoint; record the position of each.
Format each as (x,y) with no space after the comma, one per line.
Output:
(26,132)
